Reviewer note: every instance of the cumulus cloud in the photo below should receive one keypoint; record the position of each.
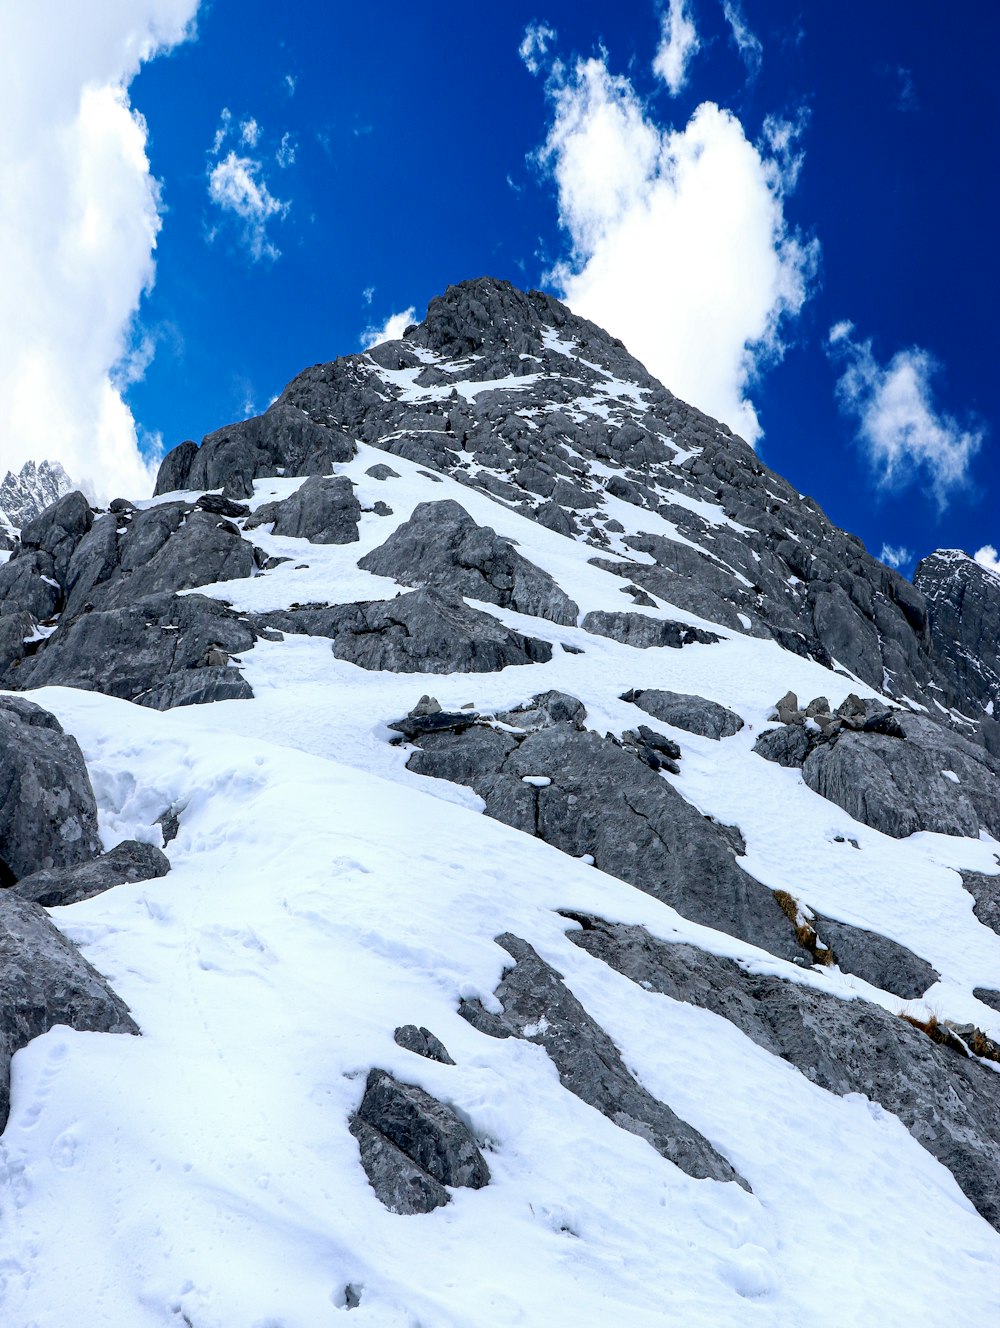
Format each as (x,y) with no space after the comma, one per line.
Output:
(895,555)
(79,219)
(907,438)
(678,43)
(987,557)
(391,330)
(679,243)
(238,187)
(747,42)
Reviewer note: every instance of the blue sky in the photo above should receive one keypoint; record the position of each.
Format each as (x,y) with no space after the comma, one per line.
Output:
(322,167)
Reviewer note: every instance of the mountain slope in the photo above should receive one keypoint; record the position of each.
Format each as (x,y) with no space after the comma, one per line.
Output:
(619,925)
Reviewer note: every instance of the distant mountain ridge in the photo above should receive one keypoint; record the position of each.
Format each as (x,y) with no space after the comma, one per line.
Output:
(27,494)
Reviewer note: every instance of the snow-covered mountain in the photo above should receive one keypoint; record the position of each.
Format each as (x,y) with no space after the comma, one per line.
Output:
(554,873)
(27,494)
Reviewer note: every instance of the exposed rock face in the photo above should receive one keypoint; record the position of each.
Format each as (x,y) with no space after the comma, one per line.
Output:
(882,962)
(895,771)
(441,546)
(693,713)
(603,801)
(963,601)
(281,441)
(425,632)
(643,631)
(422,1042)
(48,816)
(949,1103)
(323,510)
(158,651)
(44,981)
(985,890)
(538,1007)
(413,1146)
(129,861)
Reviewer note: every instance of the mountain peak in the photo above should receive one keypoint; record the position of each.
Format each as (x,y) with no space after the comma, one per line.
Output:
(25,495)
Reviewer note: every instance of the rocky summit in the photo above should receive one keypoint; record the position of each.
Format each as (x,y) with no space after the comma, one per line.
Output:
(535,869)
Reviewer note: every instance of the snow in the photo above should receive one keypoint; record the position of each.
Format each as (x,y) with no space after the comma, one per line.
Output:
(321,895)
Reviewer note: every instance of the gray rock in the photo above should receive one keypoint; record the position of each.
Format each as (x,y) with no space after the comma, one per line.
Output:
(882,962)
(129,861)
(985,890)
(44,981)
(282,440)
(988,997)
(324,511)
(604,801)
(28,586)
(58,530)
(787,745)
(900,787)
(380,471)
(15,628)
(426,632)
(441,546)
(683,711)
(948,1102)
(412,1146)
(963,604)
(539,1008)
(422,1042)
(644,632)
(154,651)
(48,814)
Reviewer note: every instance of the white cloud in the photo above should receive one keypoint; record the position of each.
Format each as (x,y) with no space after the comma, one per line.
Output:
(747,42)
(678,43)
(391,330)
(79,219)
(679,240)
(368,294)
(895,555)
(249,132)
(290,82)
(906,437)
(535,44)
(285,155)
(987,557)
(237,185)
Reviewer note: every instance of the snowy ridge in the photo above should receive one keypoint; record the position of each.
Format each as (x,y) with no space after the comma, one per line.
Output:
(322,895)
(36,486)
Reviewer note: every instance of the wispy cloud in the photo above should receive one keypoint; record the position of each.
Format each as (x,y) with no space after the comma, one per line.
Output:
(538,37)
(895,555)
(678,239)
(237,185)
(285,155)
(905,435)
(747,42)
(678,44)
(391,330)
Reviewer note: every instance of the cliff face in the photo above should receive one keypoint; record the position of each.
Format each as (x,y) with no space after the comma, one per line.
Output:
(595,958)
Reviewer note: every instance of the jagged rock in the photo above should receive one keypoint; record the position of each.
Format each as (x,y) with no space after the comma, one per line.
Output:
(441,546)
(949,1103)
(544,710)
(15,629)
(129,861)
(283,439)
(692,713)
(788,745)
(24,495)
(882,962)
(422,1042)
(324,511)
(644,632)
(412,1146)
(605,802)
(426,632)
(220,506)
(538,1007)
(787,711)
(988,997)
(985,890)
(900,787)
(963,605)
(153,651)
(58,530)
(44,981)
(48,814)
(28,586)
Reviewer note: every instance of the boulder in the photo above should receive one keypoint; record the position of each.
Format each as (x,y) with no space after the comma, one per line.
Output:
(644,632)
(155,651)
(538,1007)
(441,546)
(128,862)
(427,632)
(324,510)
(949,1102)
(422,1042)
(48,814)
(683,711)
(604,801)
(28,586)
(58,530)
(45,981)
(413,1146)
